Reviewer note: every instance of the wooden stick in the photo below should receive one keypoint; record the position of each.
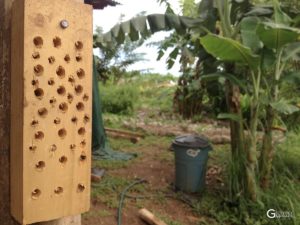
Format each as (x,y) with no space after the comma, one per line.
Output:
(148,217)
(125,132)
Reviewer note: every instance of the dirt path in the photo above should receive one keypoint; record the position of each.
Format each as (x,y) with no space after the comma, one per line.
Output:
(156,165)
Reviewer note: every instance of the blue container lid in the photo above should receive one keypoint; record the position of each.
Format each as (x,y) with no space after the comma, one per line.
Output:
(192,141)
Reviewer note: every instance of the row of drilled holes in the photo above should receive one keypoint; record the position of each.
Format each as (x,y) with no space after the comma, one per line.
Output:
(63,107)
(39,135)
(53,147)
(61,90)
(38,42)
(41,164)
(51,59)
(36,193)
(60,71)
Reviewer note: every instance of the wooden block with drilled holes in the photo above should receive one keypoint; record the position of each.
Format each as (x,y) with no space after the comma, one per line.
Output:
(51,109)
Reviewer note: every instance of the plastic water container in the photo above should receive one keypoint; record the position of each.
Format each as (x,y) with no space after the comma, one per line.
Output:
(191,155)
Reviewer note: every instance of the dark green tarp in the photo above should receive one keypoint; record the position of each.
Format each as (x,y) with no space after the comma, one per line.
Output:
(100,144)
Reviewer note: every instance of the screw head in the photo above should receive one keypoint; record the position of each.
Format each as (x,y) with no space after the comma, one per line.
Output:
(64,24)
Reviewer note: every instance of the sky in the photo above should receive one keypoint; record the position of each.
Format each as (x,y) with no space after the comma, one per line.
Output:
(109,16)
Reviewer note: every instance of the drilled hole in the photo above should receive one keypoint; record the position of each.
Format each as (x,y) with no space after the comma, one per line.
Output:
(34,123)
(63,159)
(52,101)
(83,143)
(78,58)
(70,98)
(71,79)
(51,82)
(34,82)
(51,59)
(67,58)
(61,90)
(38,70)
(78,89)
(35,194)
(85,97)
(39,135)
(53,148)
(40,165)
(78,45)
(56,42)
(74,119)
(60,72)
(81,131)
(32,148)
(43,112)
(86,119)
(58,190)
(36,55)
(80,106)
(63,107)
(80,187)
(38,41)
(57,120)
(82,156)
(72,146)
(80,73)
(39,93)
(62,133)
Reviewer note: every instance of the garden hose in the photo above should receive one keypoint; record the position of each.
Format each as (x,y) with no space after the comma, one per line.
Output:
(122,197)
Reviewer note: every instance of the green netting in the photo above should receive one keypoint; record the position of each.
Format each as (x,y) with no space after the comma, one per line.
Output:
(101,148)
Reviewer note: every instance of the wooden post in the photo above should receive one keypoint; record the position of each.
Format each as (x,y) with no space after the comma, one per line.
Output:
(5,38)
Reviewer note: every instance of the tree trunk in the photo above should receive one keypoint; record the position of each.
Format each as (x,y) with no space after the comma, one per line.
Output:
(267,152)
(5,38)
(238,165)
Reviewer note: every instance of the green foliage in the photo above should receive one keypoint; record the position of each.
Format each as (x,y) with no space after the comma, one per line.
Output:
(136,91)
(229,50)
(118,99)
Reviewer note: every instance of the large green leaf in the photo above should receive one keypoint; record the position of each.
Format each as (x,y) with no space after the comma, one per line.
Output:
(227,49)
(248,33)
(146,25)
(275,36)
(291,51)
(279,15)
(284,107)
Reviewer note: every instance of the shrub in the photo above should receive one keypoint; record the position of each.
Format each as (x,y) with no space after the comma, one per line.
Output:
(118,99)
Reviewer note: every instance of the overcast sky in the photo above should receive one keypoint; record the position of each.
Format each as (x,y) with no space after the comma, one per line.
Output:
(109,16)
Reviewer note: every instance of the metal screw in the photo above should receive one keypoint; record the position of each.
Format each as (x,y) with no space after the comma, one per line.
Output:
(64,24)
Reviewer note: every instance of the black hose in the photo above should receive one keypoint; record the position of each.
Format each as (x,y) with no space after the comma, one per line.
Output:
(123,195)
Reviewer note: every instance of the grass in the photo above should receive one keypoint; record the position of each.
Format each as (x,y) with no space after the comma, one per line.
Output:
(110,187)
(111,164)
(213,207)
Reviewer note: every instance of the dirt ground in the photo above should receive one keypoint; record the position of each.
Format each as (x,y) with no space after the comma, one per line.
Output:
(155,164)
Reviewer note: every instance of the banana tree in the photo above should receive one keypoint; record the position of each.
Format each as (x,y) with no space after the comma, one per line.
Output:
(266,46)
